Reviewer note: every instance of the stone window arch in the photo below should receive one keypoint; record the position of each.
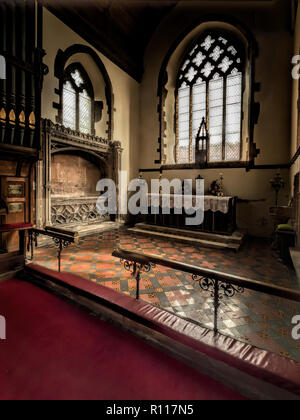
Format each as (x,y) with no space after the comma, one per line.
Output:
(77,111)
(96,74)
(210,85)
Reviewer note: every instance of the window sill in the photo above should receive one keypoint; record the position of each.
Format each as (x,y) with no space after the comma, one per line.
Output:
(209,165)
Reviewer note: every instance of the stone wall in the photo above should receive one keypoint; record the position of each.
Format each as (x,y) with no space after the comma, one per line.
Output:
(73,176)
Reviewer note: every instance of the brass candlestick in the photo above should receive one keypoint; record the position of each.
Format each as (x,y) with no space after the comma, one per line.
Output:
(221,191)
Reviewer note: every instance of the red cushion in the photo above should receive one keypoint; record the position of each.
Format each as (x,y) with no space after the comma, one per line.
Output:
(262,364)
(16,226)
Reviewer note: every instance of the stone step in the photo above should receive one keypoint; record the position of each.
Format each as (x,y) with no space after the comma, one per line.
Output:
(236,238)
(188,240)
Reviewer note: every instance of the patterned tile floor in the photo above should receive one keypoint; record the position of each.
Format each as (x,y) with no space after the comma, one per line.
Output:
(252,317)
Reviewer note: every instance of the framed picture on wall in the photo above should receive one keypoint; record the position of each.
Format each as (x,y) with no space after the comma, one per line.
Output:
(15,189)
(14,208)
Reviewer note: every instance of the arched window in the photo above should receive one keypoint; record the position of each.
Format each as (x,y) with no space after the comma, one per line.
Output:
(210,85)
(77,100)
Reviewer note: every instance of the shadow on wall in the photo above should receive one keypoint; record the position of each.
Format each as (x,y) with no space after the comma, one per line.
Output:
(73,176)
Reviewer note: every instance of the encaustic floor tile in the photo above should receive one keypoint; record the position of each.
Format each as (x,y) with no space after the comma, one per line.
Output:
(255,318)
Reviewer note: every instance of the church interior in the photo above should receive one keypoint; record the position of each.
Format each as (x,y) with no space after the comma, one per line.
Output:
(142,305)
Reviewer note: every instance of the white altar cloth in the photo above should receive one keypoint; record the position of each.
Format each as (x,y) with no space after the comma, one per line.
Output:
(212,203)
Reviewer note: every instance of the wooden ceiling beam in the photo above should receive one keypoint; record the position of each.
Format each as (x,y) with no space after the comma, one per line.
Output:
(120,29)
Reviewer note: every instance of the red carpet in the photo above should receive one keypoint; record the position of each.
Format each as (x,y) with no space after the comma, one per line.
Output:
(57,351)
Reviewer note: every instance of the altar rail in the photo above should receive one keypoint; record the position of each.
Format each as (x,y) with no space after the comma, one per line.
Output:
(219,284)
(61,238)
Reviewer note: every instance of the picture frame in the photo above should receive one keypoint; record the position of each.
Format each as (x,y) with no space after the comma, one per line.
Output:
(15,190)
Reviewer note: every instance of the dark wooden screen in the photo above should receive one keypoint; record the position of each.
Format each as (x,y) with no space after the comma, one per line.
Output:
(20,93)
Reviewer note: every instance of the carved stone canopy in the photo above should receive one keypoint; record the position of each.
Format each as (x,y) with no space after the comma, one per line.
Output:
(105,154)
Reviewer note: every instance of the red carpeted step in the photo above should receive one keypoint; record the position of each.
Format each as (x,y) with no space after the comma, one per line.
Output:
(262,364)
(56,351)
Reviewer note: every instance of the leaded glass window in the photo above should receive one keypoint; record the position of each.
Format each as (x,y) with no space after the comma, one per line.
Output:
(85,111)
(77,100)
(210,86)
(69,101)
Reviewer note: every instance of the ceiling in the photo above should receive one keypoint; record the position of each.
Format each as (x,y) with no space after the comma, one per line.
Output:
(121,29)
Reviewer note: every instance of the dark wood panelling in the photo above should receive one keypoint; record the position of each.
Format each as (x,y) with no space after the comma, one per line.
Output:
(20,92)
(20,109)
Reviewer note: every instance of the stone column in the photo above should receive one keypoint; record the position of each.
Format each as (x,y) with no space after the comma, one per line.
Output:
(115,165)
(40,213)
(47,127)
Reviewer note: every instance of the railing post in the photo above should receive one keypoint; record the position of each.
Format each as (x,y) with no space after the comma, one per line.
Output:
(59,254)
(61,241)
(216,305)
(32,241)
(137,274)
(32,245)
(138,279)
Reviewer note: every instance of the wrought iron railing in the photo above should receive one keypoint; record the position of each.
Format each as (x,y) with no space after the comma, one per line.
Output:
(219,284)
(62,240)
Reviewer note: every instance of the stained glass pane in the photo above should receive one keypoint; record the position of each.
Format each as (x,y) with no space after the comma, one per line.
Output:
(233,117)
(216,119)
(69,106)
(208,42)
(198,60)
(212,60)
(85,112)
(191,74)
(225,64)
(207,69)
(183,125)
(216,54)
(185,65)
(223,40)
(232,50)
(77,78)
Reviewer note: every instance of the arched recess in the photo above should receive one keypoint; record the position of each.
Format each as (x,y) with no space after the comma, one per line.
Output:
(93,157)
(87,57)
(167,86)
(75,174)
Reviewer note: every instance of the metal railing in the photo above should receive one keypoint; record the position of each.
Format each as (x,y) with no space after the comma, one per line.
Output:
(219,284)
(61,238)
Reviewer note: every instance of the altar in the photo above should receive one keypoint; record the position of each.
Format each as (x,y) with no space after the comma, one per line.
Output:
(219,213)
